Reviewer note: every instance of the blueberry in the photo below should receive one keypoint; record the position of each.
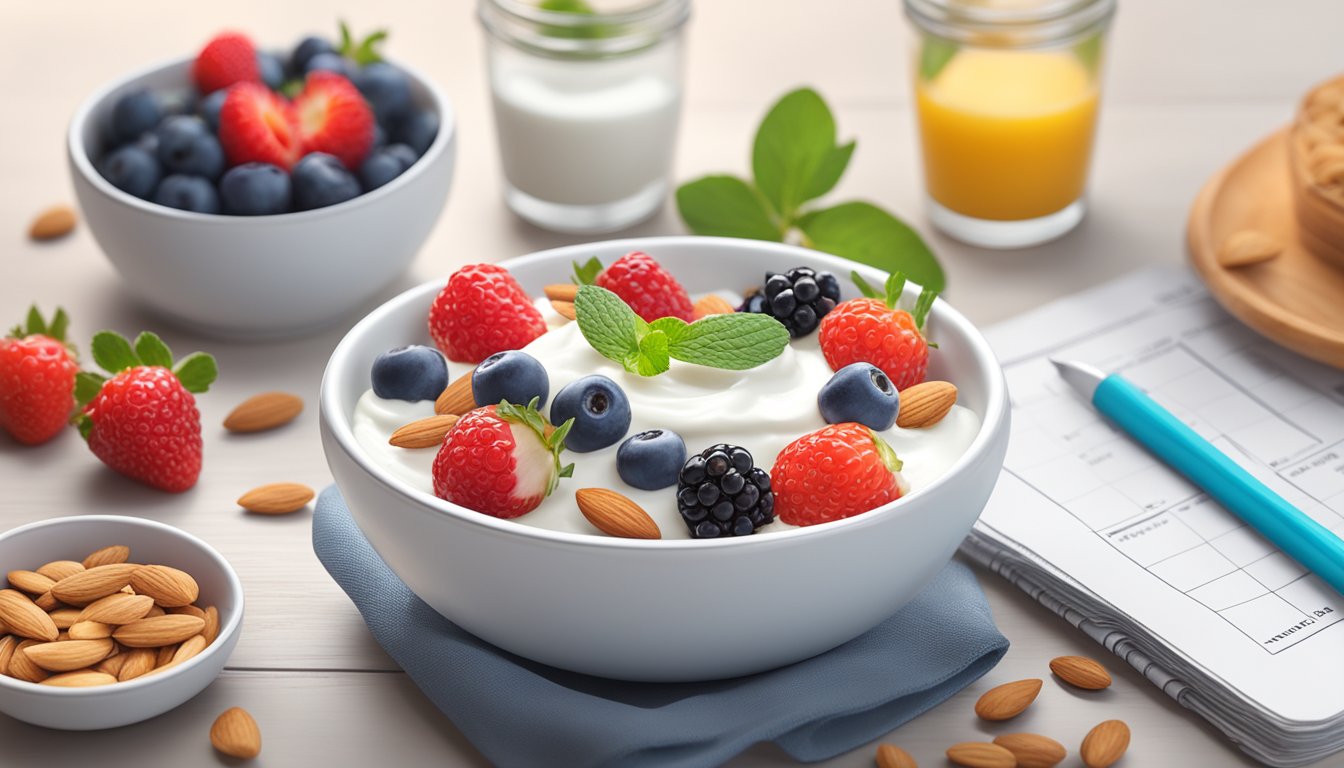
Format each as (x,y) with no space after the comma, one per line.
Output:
(385,164)
(149,141)
(651,460)
(133,170)
(210,107)
(859,392)
(187,146)
(417,130)
(320,180)
(330,62)
(188,193)
(307,48)
(410,373)
(133,114)
(272,71)
(514,376)
(255,189)
(600,410)
(379,136)
(387,89)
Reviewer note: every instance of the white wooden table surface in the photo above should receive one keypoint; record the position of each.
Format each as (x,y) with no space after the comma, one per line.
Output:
(1190,85)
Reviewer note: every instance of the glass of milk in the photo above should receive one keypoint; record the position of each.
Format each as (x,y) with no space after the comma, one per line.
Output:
(586,107)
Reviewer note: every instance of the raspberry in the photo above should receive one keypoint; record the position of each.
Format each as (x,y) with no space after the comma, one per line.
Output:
(798,298)
(720,492)
(227,59)
(651,291)
(836,472)
(482,310)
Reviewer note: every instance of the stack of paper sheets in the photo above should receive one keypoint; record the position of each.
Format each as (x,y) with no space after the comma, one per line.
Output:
(1099,531)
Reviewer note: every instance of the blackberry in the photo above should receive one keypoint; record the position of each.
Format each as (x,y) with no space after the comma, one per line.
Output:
(798,298)
(720,492)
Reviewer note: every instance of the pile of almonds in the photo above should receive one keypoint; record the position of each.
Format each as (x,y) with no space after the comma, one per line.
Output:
(1103,746)
(100,621)
(1320,133)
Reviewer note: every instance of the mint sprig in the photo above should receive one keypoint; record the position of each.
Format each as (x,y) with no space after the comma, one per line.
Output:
(733,342)
(796,159)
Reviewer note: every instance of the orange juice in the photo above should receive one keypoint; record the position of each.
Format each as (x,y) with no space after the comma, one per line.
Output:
(1007,134)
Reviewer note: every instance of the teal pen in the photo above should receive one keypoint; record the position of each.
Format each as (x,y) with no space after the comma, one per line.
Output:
(1180,447)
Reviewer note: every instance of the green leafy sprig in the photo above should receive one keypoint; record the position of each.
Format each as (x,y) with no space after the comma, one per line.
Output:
(796,159)
(530,416)
(114,354)
(891,294)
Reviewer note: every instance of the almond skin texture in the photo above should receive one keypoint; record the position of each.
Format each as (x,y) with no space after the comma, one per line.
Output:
(90,630)
(7,645)
(276,499)
(59,569)
(616,515)
(981,754)
(425,433)
(189,610)
(112,555)
(47,602)
(236,734)
(457,398)
(24,618)
(118,608)
(80,679)
(169,587)
(1032,750)
(1249,246)
(69,655)
(1008,700)
(892,756)
(111,665)
(56,221)
(562,292)
(138,661)
(22,667)
(31,582)
(188,649)
(64,618)
(565,309)
(713,304)
(1105,744)
(211,630)
(93,584)
(925,404)
(158,631)
(265,411)
(1081,672)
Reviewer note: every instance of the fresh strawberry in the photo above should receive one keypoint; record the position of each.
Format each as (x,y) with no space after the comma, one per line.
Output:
(37,379)
(482,310)
(256,125)
(333,117)
(872,330)
(143,421)
(498,460)
(228,58)
(642,283)
(836,472)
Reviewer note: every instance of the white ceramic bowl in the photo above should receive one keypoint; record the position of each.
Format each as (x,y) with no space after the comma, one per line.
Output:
(258,276)
(664,610)
(112,706)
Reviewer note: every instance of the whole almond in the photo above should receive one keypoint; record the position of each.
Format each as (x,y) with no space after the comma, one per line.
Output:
(59,569)
(111,665)
(7,645)
(425,433)
(562,292)
(1105,744)
(154,611)
(1246,247)
(189,610)
(1032,750)
(168,586)
(22,667)
(165,655)
(138,662)
(1008,700)
(565,309)
(1326,173)
(457,398)
(713,304)
(24,618)
(925,404)
(981,754)
(236,734)
(117,553)
(117,608)
(276,499)
(157,631)
(892,756)
(90,585)
(211,630)
(47,602)
(82,678)
(616,515)
(90,630)
(1080,672)
(31,582)
(189,649)
(69,655)
(64,618)
(56,221)
(265,411)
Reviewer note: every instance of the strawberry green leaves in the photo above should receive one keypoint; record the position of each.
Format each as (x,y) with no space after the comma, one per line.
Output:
(36,325)
(734,342)
(530,416)
(891,294)
(362,52)
(114,354)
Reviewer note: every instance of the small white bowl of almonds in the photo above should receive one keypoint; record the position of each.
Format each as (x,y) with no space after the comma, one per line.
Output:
(108,620)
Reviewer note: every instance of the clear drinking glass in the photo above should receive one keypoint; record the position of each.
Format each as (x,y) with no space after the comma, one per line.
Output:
(586,108)
(1006,95)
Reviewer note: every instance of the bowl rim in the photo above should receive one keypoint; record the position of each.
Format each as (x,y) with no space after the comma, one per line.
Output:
(228,626)
(83,163)
(338,425)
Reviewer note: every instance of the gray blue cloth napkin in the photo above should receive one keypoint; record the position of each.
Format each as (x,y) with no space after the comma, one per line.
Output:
(520,713)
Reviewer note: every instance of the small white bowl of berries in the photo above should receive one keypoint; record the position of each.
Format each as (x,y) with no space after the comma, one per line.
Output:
(254,193)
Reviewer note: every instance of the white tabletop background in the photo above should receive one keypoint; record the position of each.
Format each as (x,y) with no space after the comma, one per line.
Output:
(1189,86)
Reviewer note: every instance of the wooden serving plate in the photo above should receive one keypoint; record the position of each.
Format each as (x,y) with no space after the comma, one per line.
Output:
(1296,299)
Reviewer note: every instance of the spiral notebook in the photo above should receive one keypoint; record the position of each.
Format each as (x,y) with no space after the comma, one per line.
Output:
(1089,524)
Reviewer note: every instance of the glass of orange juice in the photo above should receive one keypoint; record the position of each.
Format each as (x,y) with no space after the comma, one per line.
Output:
(1006,95)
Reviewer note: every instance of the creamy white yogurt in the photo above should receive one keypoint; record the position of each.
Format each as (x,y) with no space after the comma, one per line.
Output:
(761,409)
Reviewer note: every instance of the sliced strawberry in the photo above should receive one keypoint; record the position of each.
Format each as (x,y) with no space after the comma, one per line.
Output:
(256,125)
(228,58)
(333,117)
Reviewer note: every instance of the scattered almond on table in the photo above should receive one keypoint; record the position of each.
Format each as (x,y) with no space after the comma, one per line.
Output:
(981,754)
(925,404)
(1081,672)
(235,733)
(1032,750)
(265,411)
(276,499)
(1009,700)
(1246,247)
(56,221)
(1105,744)
(892,756)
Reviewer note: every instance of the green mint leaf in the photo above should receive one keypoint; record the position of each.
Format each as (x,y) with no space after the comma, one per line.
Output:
(152,351)
(197,372)
(934,55)
(587,272)
(866,289)
(895,288)
(869,235)
(653,354)
(735,342)
(831,169)
(673,327)
(87,387)
(112,352)
(726,206)
(793,142)
(59,325)
(608,324)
